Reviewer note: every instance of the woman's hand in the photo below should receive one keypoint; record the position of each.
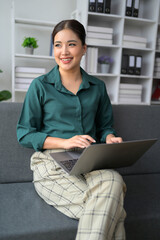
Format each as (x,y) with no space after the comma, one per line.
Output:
(112,139)
(81,141)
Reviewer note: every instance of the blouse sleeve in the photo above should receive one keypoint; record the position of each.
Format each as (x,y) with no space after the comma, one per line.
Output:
(30,122)
(104,117)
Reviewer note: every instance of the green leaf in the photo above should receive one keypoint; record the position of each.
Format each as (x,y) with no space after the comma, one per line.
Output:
(5,95)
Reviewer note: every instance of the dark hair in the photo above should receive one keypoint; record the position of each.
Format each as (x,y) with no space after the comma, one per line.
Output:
(73,25)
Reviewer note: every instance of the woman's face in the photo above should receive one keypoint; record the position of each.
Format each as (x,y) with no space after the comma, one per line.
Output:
(68,50)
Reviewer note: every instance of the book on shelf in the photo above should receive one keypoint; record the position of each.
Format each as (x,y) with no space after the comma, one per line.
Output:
(98,41)
(130,93)
(27,75)
(130,44)
(107,6)
(99,29)
(24,80)
(158,43)
(134,39)
(99,6)
(135,8)
(132,8)
(131,64)
(124,62)
(129,7)
(130,100)
(157,60)
(99,35)
(91,59)
(156,94)
(130,86)
(22,86)
(30,70)
(92,6)
(138,65)
(157,67)
(133,92)
(51,50)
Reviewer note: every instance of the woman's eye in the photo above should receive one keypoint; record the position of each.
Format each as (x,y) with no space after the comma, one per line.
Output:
(72,44)
(57,45)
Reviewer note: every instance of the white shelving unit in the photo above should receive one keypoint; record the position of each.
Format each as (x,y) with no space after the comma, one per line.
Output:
(32,27)
(145,26)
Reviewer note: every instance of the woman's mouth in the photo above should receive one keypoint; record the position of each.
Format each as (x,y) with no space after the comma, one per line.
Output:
(66,60)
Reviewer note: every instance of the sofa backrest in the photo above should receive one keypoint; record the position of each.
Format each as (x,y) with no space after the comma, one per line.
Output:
(131,122)
(14,159)
(140,122)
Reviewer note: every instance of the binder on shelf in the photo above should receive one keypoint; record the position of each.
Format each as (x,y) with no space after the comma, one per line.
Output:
(131,64)
(135,8)
(129,8)
(107,6)
(92,6)
(124,67)
(138,65)
(99,6)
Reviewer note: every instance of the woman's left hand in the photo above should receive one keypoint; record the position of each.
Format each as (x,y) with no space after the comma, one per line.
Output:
(112,139)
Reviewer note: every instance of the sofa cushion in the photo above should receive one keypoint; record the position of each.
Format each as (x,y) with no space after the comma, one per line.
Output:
(24,215)
(142,206)
(135,123)
(14,159)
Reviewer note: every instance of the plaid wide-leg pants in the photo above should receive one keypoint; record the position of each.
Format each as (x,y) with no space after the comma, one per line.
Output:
(96,198)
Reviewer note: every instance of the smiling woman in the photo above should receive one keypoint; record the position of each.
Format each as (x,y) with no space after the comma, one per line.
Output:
(72,110)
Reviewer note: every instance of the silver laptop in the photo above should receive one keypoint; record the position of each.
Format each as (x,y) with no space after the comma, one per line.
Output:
(102,156)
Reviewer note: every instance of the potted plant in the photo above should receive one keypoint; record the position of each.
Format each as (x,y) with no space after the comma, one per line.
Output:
(4,95)
(105,62)
(29,43)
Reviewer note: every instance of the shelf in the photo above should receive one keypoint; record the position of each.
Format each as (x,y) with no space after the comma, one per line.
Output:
(103,16)
(103,74)
(155,102)
(139,49)
(21,90)
(139,21)
(35,56)
(135,76)
(35,22)
(104,46)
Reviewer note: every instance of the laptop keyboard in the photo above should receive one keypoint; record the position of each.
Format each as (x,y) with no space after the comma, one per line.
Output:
(69,164)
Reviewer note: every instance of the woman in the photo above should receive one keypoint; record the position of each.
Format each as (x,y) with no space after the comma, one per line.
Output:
(68,109)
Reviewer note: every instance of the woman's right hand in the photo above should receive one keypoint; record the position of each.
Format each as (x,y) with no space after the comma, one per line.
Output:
(81,141)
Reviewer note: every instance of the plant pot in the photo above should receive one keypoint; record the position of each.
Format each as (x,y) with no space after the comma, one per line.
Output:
(104,68)
(29,50)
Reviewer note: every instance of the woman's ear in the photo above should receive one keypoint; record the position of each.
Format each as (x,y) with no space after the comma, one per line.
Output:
(84,49)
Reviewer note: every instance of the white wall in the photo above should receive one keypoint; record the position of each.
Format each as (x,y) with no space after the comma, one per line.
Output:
(45,10)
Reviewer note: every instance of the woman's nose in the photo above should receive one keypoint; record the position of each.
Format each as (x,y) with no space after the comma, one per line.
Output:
(65,49)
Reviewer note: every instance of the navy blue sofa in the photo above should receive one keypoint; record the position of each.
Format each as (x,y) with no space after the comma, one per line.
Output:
(25,216)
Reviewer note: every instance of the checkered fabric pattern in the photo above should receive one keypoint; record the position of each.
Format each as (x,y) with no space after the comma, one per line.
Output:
(96,198)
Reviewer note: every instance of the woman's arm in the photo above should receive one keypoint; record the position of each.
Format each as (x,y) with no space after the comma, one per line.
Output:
(80,141)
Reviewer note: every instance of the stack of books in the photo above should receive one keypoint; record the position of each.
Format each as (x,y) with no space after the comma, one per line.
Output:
(91,59)
(130,93)
(101,36)
(158,43)
(134,41)
(157,67)
(25,75)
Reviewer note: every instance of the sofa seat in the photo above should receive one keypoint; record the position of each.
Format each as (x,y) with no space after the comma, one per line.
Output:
(24,215)
(138,204)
